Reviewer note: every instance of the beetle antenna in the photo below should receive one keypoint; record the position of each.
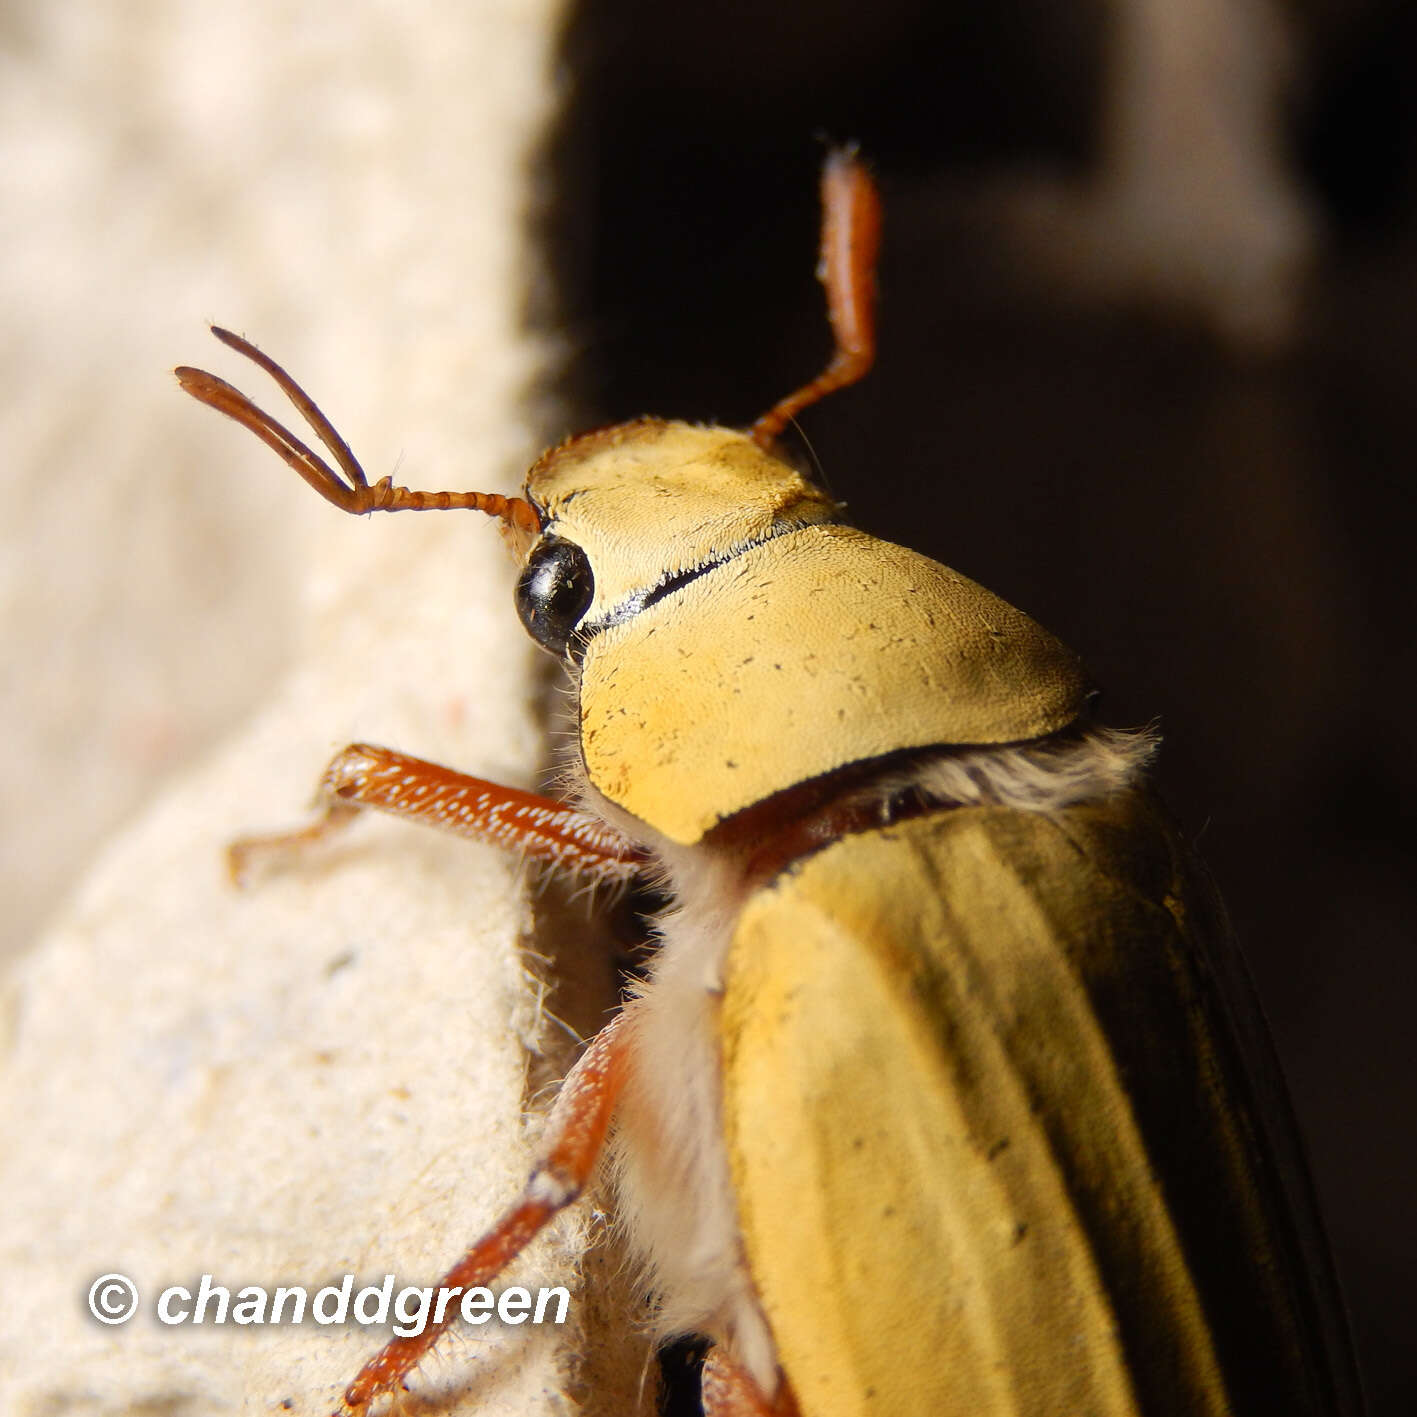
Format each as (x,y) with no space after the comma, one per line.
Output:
(353,492)
(851,237)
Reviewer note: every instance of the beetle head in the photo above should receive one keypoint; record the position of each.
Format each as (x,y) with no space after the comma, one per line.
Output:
(644,507)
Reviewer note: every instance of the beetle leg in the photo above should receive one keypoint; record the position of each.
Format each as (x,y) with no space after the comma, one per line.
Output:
(851,237)
(576,1131)
(729,1391)
(362,775)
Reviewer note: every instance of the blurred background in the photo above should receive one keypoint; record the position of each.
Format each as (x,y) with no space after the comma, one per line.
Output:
(1149,292)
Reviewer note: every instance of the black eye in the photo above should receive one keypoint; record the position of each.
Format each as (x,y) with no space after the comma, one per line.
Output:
(554,591)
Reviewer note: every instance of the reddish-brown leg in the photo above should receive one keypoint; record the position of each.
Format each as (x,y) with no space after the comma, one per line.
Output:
(851,237)
(576,1132)
(728,1391)
(362,775)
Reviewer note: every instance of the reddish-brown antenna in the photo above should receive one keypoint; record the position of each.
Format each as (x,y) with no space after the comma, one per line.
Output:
(851,237)
(353,492)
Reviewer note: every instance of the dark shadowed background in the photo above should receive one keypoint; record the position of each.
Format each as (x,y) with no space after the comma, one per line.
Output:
(1198,476)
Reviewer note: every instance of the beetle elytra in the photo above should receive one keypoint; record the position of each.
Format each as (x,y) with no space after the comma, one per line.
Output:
(945,1093)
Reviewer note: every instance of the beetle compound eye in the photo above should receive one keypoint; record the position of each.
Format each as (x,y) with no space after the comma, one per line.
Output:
(554,592)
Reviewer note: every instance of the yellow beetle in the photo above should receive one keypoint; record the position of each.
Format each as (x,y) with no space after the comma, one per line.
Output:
(945,1093)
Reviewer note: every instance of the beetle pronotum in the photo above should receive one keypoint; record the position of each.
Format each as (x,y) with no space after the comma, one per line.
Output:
(945,1092)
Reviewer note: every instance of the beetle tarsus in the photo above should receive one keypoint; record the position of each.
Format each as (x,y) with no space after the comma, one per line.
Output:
(243,855)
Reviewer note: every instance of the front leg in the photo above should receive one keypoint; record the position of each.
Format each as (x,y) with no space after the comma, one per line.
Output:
(364,776)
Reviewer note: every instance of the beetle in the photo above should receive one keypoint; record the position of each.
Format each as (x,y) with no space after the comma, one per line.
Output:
(946,1091)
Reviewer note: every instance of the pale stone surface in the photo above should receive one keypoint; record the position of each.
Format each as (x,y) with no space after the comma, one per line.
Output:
(326,1073)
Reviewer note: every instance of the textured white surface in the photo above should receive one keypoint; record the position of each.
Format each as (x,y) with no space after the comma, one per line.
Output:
(324,1073)
(343,183)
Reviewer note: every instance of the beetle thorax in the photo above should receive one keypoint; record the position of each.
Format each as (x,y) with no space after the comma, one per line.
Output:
(734,638)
